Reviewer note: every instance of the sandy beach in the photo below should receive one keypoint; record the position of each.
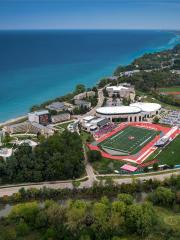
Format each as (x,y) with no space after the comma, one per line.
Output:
(13,121)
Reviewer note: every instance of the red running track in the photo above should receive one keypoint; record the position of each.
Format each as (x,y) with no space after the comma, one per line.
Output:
(172,93)
(144,152)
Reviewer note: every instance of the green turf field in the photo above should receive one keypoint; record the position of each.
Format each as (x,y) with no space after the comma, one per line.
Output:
(170,89)
(170,154)
(128,141)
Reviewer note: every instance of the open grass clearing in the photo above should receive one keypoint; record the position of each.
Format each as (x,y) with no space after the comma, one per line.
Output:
(108,166)
(170,89)
(169,155)
(150,98)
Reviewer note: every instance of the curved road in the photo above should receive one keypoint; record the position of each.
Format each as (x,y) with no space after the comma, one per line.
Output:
(9,190)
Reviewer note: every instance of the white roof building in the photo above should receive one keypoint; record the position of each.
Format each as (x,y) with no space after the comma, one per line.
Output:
(29,142)
(88,118)
(134,113)
(117,110)
(116,88)
(6,152)
(147,107)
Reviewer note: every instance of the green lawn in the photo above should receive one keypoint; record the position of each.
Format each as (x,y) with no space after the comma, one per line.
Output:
(128,141)
(107,166)
(85,136)
(170,89)
(150,98)
(170,154)
(63,125)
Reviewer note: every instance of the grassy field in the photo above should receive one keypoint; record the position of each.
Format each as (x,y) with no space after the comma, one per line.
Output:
(129,141)
(150,98)
(170,89)
(170,154)
(63,125)
(107,166)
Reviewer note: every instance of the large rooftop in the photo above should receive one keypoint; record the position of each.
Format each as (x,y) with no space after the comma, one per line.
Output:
(117,110)
(116,88)
(147,107)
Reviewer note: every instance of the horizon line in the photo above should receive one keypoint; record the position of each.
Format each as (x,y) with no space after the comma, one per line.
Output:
(85,29)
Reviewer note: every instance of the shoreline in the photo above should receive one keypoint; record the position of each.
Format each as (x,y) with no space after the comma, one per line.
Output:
(12,121)
(172,42)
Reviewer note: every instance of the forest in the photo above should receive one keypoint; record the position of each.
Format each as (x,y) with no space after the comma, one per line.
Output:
(120,218)
(58,157)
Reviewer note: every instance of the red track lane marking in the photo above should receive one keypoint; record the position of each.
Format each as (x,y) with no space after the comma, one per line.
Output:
(172,93)
(150,146)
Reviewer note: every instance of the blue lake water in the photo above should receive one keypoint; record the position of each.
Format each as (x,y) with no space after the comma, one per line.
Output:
(39,65)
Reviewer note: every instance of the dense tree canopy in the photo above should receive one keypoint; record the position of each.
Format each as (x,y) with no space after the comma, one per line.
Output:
(58,157)
(86,220)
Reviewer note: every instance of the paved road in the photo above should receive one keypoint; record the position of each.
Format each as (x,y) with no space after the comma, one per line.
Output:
(89,171)
(87,184)
(99,104)
(93,111)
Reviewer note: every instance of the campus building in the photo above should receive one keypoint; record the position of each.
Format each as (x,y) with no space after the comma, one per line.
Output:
(122,91)
(42,117)
(6,153)
(84,95)
(136,112)
(29,127)
(92,123)
(61,117)
(56,106)
(82,103)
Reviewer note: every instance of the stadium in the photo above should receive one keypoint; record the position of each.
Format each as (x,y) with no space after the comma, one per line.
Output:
(132,141)
(136,112)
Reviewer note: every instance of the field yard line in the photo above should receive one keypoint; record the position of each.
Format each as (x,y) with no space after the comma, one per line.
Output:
(145,141)
(142,155)
(117,135)
(145,157)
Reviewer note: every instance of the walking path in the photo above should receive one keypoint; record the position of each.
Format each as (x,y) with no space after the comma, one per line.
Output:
(10,189)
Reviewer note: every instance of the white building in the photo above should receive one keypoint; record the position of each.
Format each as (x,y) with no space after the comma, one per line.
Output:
(129,73)
(134,113)
(92,123)
(6,152)
(123,91)
(148,109)
(31,143)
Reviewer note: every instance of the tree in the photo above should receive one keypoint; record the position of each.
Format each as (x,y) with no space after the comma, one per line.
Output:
(57,157)
(80,88)
(76,214)
(162,196)
(22,229)
(94,156)
(117,219)
(140,218)
(146,169)
(27,211)
(126,198)
(155,166)
(155,120)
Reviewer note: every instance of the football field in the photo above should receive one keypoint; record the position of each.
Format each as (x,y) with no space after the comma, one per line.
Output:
(128,141)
